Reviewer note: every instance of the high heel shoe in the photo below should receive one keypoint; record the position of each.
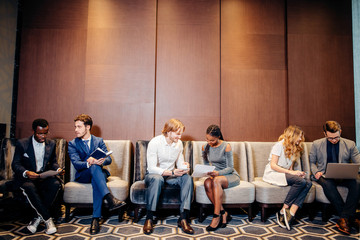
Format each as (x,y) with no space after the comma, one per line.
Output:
(209,228)
(228,218)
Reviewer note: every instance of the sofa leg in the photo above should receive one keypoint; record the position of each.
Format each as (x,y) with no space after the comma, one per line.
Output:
(263,216)
(121,214)
(202,214)
(250,213)
(136,214)
(67,212)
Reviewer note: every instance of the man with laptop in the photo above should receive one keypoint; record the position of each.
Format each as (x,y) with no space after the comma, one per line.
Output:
(330,150)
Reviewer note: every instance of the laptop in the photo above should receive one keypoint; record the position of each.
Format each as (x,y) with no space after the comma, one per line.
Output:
(342,170)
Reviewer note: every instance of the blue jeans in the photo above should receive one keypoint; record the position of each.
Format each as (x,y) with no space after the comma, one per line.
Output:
(155,182)
(298,191)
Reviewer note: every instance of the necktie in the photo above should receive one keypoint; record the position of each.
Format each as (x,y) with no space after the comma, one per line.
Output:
(87,146)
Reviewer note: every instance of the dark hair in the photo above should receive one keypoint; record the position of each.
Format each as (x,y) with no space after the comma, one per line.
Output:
(86,119)
(39,123)
(214,131)
(331,126)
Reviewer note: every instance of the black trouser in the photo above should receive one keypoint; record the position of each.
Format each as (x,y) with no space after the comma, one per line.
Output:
(345,209)
(41,193)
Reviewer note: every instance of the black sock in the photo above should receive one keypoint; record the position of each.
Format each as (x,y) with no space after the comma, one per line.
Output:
(149,214)
(185,214)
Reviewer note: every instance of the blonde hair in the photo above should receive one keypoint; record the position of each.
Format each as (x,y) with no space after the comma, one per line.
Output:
(290,136)
(172,126)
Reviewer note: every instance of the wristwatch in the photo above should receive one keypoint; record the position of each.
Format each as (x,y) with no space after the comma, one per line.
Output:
(172,172)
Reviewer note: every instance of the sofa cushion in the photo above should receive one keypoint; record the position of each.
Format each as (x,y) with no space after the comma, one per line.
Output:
(82,192)
(243,193)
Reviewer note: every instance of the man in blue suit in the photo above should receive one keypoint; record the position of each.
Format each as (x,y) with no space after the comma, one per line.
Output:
(89,169)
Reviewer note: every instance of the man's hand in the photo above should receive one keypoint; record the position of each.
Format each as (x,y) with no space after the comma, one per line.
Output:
(318,175)
(179,172)
(99,161)
(61,171)
(32,175)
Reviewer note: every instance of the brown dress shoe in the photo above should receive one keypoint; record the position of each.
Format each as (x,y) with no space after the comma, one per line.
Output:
(343,226)
(148,226)
(356,224)
(185,226)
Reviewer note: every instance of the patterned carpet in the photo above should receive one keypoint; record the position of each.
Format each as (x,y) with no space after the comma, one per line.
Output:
(239,228)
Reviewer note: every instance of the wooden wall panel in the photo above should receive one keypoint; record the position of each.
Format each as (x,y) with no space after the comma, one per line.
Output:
(320,66)
(120,68)
(253,70)
(188,65)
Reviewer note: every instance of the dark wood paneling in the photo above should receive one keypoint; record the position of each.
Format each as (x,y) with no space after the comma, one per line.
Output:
(120,68)
(320,66)
(253,70)
(188,65)
(55,14)
(52,74)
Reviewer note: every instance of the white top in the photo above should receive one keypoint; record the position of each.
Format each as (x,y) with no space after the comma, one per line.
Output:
(161,156)
(272,176)
(39,150)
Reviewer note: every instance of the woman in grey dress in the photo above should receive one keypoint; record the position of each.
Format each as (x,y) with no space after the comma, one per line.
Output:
(218,153)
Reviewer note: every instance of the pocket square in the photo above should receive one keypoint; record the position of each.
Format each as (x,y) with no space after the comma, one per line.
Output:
(26,155)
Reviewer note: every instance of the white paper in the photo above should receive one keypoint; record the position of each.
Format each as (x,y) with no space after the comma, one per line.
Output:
(202,170)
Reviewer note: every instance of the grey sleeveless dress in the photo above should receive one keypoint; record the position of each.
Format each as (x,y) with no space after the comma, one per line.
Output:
(224,163)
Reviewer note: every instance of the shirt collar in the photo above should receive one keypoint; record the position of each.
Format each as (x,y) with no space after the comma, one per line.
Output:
(36,143)
(166,143)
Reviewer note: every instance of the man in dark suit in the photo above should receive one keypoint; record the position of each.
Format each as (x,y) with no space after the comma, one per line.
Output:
(89,169)
(32,157)
(335,149)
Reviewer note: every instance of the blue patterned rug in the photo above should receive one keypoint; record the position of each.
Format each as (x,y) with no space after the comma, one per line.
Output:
(239,228)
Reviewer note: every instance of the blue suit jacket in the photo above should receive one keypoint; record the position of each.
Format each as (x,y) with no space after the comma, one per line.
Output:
(78,154)
(24,158)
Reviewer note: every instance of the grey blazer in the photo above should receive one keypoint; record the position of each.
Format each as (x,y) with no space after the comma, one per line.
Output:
(348,153)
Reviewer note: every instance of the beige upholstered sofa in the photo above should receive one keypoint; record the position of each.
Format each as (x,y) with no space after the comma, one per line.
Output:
(268,195)
(80,194)
(241,196)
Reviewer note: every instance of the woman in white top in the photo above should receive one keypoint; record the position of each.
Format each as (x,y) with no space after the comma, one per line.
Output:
(280,171)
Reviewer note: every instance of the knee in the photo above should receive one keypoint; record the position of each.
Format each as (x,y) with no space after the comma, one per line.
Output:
(155,179)
(208,184)
(28,185)
(95,168)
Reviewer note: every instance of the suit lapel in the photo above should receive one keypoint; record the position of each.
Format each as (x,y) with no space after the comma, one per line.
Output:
(31,153)
(324,150)
(341,150)
(47,153)
(81,146)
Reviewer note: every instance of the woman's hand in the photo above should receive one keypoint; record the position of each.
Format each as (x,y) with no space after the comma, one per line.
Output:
(213,173)
(298,173)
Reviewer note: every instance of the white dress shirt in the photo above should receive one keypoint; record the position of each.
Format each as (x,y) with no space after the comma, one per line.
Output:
(162,156)
(39,150)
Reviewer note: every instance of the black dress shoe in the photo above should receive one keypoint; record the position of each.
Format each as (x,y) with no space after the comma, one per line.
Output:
(210,228)
(95,226)
(148,227)
(185,226)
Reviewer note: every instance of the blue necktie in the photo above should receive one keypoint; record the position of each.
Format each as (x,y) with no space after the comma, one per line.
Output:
(87,146)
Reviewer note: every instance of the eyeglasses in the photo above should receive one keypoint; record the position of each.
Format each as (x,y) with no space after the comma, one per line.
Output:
(333,138)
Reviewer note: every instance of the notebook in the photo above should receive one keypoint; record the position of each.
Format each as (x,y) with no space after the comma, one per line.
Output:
(342,170)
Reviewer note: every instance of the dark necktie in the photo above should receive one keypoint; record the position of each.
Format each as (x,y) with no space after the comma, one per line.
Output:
(87,146)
